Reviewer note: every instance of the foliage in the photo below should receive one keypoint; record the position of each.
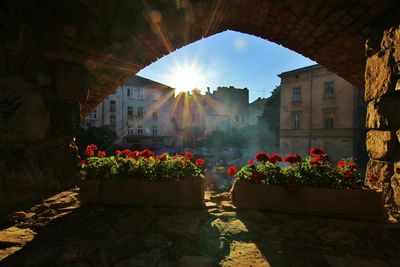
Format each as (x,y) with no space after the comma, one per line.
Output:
(315,170)
(103,136)
(271,116)
(128,164)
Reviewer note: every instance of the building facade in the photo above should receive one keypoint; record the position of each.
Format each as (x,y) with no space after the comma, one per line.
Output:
(138,111)
(256,109)
(320,109)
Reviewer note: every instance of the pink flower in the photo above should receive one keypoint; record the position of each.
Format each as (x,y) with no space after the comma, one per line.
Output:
(200,162)
(261,157)
(188,155)
(292,158)
(275,158)
(232,170)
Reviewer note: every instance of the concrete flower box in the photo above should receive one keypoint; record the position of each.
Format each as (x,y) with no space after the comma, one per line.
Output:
(340,203)
(187,193)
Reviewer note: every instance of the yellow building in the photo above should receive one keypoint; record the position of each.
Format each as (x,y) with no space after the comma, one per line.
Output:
(320,109)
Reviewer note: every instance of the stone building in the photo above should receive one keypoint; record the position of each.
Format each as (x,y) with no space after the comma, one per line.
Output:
(138,111)
(320,109)
(256,109)
(196,115)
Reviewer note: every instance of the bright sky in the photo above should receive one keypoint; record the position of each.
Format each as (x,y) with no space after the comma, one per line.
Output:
(225,59)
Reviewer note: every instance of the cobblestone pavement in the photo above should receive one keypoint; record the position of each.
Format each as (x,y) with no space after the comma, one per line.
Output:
(61,232)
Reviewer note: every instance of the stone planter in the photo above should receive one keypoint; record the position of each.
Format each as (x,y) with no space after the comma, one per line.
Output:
(187,193)
(340,203)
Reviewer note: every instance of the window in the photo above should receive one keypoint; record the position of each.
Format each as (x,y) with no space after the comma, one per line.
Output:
(130,113)
(140,129)
(328,120)
(93,115)
(140,112)
(129,92)
(140,93)
(297,94)
(112,105)
(154,114)
(155,130)
(130,130)
(296,120)
(113,120)
(329,89)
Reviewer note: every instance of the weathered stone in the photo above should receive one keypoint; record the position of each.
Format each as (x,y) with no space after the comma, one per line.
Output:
(16,236)
(71,82)
(196,261)
(379,174)
(351,260)
(382,113)
(378,75)
(391,38)
(381,144)
(396,184)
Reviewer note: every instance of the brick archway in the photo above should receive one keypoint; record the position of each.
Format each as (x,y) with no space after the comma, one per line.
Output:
(59,59)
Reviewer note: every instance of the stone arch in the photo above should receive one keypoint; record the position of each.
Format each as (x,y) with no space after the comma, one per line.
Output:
(76,52)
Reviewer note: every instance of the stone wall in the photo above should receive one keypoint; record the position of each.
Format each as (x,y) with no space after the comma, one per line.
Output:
(38,121)
(382,93)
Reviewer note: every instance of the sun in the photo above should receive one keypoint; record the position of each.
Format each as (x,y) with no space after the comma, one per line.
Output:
(186,78)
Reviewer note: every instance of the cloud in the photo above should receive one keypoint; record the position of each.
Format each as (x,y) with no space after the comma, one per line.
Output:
(240,44)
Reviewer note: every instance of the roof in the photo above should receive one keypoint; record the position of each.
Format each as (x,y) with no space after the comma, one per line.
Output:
(139,80)
(311,67)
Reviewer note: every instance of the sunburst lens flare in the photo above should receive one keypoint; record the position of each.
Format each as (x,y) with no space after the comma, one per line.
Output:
(186,78)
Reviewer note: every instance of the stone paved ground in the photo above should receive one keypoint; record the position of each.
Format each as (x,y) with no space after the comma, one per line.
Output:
(61,232)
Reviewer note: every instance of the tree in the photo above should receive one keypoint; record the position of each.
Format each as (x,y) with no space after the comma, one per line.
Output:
(270,119)
(103,136)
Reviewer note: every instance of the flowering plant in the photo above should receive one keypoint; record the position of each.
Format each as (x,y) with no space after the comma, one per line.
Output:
(139,164)
(314,170)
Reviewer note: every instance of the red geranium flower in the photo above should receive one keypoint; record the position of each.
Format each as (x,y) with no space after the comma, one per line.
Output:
(316,151)
(232,170)
(348,174)
(261,157)
(189,155)
(275,158)
(251,161)
(163,157)
(292,158)
(118,152)
(199,162)
(292,187)
(126,152)
(318,159)
(147,153)
(256,176)
(93,146)
(89,151)
(344,163)
(101,154)
(84,162)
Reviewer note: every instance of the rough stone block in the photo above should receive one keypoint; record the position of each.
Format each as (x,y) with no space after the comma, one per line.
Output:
(391,37)
(71,83)
(381,144)
(383,113)
(379,174)
(378,75)
(396,183)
